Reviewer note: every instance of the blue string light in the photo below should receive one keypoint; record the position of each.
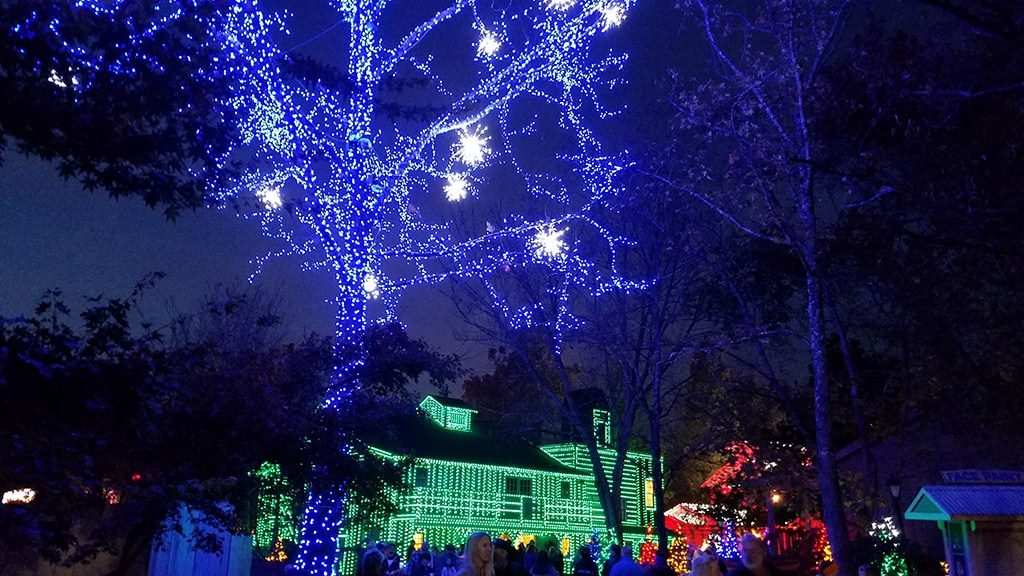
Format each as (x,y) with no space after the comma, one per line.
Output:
(730,543)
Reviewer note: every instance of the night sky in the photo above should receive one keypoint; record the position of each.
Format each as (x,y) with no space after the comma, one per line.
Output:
(55,235)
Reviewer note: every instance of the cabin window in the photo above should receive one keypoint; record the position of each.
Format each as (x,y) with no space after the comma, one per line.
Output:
(518,486)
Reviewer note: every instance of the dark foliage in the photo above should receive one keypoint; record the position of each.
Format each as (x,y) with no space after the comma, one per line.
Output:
(911,134)
(510,400)
(134,101)
(131,113)
(928,274)
(94,413)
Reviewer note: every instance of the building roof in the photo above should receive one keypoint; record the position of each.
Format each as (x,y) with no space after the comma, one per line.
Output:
(419,436)
(449,402)
(952,503)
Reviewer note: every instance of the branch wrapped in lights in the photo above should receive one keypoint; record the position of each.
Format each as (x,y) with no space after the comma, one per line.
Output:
(349,191)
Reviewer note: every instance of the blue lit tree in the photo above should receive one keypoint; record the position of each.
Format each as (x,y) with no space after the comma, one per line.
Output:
(441,140)
(349,185)
(730,544)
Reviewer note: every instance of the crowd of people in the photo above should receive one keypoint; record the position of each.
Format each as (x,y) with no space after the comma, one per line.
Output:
(481,556)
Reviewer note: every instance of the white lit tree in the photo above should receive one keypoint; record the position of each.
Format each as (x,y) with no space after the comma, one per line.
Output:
(504,100)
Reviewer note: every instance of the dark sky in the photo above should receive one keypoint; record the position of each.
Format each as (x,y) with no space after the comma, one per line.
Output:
(54,234)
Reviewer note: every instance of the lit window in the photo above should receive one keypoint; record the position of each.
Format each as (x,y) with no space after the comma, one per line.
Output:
(649,493)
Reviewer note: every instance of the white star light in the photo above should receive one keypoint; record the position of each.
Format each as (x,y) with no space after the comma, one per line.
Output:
(489,44)
(371,287)
(271,197)
(613,15)
(561,4)
(472,146)
(548,243)
(56,80)
(457,188)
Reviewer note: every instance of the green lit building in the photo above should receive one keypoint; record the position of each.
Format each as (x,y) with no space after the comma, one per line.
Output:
(463,480)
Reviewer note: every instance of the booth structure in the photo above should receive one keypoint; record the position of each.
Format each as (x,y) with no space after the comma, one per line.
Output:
(982,526)
(174,553)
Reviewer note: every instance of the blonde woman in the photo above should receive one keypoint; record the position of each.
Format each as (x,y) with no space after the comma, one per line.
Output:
(477,556)
(705,565)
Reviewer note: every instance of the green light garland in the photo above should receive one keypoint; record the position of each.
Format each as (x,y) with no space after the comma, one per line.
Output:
(462,497)
(275,521)
(893,562)
(635,475)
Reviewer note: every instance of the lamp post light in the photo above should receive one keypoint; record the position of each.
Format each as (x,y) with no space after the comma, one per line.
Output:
(895,488)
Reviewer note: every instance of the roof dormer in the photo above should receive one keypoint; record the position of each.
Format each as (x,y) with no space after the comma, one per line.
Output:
(450,413)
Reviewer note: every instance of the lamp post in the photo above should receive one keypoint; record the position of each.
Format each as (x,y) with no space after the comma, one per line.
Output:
(895,488)
(773,499)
